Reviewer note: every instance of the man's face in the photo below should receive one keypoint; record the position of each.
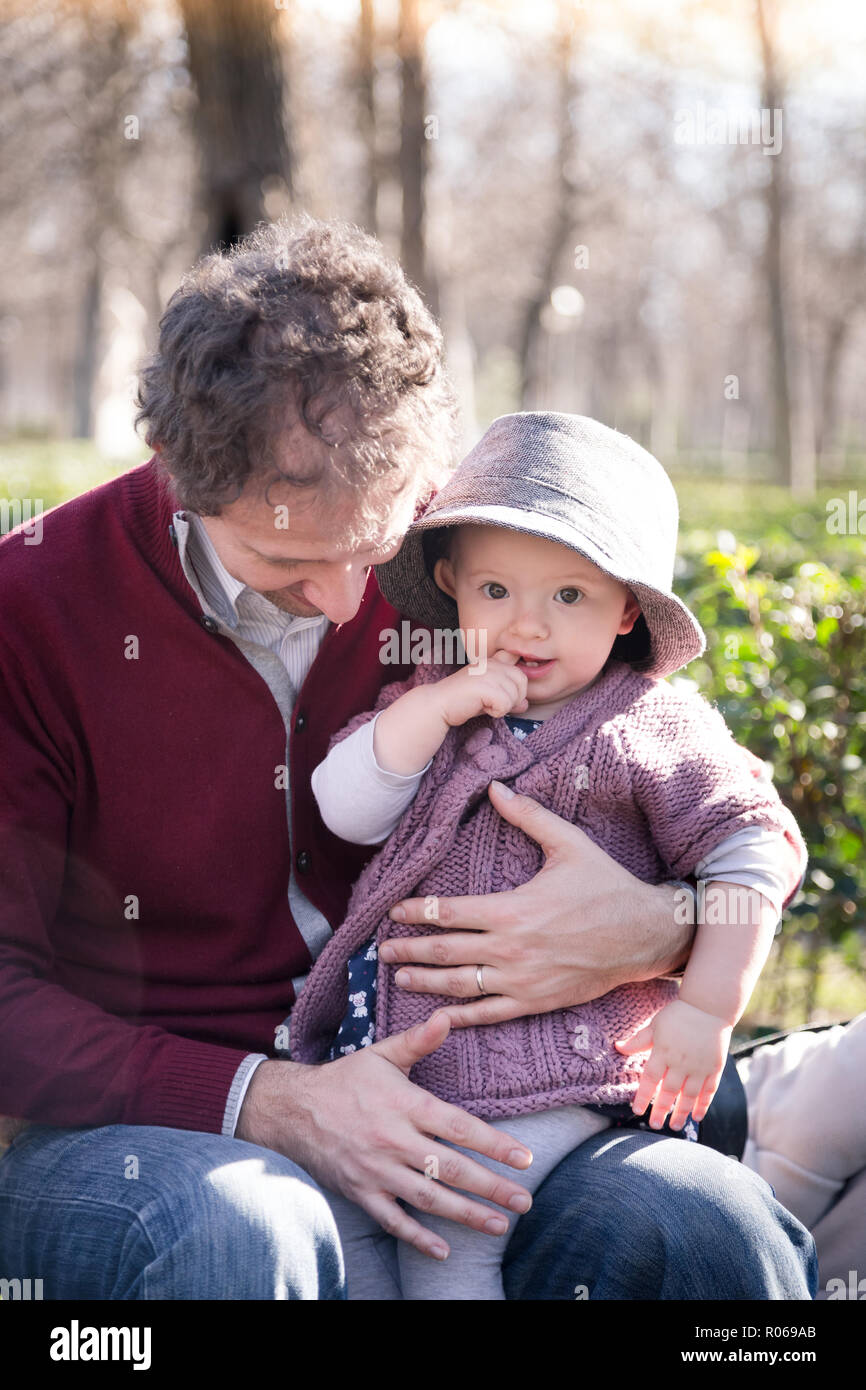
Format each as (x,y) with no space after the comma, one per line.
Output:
(304,567)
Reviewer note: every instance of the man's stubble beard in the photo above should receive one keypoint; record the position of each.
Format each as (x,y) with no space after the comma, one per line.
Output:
(289,603)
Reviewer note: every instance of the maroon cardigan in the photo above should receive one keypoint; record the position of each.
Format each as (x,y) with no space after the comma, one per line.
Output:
(146,940)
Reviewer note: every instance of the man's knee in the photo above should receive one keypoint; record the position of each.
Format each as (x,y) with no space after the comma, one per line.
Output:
(637,1216)
(136,1212)
(238,1221)
(718,1227)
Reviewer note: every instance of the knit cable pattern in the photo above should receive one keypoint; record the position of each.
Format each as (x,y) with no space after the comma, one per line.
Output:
(651,774)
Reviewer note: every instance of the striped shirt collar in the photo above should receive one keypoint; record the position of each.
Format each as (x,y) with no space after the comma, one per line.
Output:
(220,588)
(226,597)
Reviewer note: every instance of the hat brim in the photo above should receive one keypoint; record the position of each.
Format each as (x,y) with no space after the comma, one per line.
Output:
(676,637)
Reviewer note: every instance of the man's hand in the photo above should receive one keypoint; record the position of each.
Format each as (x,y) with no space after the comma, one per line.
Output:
(581,927)
(685,1066)
(358,1126)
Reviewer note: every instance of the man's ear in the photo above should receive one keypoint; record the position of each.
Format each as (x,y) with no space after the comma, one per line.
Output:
(443,575)
(630,615)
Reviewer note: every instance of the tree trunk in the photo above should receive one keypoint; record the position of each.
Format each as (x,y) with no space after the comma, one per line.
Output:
(794,453)
(106,56)
(367,114)
(236,66)
(413,152)
(836,339)
(564,214)
(87,351)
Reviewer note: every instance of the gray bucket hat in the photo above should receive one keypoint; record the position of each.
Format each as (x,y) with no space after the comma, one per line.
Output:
(566,478)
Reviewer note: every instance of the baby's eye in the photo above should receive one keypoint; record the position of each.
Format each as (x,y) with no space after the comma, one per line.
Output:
(491,584)
(572,595)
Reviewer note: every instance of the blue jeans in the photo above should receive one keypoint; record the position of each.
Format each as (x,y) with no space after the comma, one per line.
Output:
(635,1215)
(141,1212)
(132,1212)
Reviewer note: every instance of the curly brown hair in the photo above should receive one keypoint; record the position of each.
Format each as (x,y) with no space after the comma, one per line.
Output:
(306,323)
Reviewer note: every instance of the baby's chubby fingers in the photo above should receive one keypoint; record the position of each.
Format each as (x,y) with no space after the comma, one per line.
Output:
(505,658)
(499,702)
(666,1099)
(502,669)
(685,1106)
(495,687)
(649,1083)
(707,1092)
(653,1072)
(504,691)
(641,1041)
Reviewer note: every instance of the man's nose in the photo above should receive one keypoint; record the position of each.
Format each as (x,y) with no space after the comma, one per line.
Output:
(339,592)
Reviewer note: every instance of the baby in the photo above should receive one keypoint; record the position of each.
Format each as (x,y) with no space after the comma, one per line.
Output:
(553,546)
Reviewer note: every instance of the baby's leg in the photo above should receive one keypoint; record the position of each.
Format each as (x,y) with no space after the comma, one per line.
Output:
(368,1251)
(473,1270)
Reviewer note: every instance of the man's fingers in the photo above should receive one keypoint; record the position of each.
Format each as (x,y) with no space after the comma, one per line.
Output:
(432,1192)
(442,1191)
(405,1049)
(497,1009)
(466,1131)
(477,913)
(545,827)
(393,1219)
(457,984)
(459,948)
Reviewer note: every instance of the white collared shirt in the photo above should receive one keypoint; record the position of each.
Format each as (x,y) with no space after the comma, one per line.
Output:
(249,614)
(248,617)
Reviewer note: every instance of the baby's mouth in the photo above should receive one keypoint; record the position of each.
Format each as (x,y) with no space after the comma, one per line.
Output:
(535,668)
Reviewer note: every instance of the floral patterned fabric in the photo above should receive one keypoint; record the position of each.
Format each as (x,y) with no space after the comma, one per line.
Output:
(358,1028)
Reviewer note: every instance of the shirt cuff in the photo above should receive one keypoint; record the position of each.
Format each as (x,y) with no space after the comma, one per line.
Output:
(387,779)
(752,858)
(237,1091)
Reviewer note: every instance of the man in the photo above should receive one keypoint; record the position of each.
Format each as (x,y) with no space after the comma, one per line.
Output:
(177,654)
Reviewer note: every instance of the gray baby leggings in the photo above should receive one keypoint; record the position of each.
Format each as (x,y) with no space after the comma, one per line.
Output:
(376,1270)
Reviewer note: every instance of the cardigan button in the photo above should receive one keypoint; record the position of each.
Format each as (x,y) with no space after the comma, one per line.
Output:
(210,624)
(490,759)
(303,862)
(300,723)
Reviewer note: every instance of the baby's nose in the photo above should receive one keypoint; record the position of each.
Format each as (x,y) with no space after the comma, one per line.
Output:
(529,623)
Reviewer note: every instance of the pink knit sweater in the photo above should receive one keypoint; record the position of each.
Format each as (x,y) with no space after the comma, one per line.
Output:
(651,775)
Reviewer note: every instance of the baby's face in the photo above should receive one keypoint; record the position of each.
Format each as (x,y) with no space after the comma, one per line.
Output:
(539,600)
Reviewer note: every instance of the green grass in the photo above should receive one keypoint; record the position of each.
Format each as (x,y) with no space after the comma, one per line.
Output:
(53,471)
(763,514)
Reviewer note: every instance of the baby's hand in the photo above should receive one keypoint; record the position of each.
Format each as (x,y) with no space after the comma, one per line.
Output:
(685,1065)
(497,690)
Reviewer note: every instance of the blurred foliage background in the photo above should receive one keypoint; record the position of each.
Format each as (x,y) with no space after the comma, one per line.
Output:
(653,213)
(784,607)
